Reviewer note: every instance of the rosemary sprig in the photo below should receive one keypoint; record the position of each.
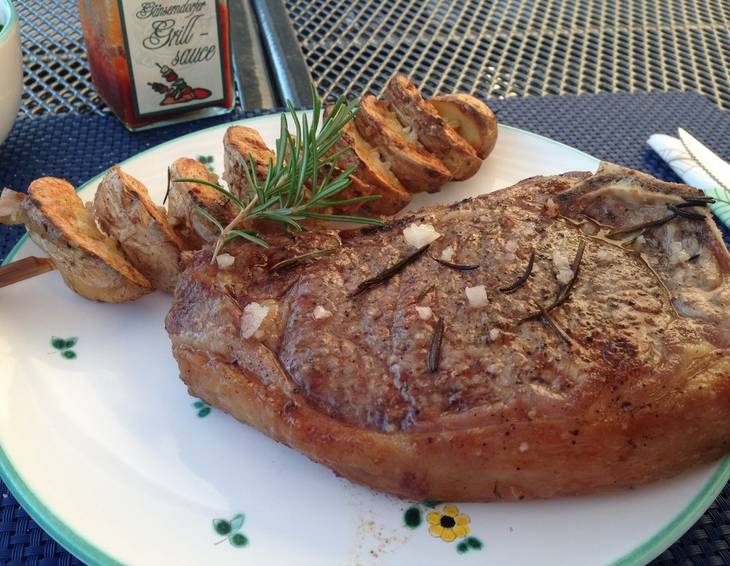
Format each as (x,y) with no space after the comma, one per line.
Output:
(301,181)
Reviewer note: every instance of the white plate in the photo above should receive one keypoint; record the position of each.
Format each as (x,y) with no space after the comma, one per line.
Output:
(107,452)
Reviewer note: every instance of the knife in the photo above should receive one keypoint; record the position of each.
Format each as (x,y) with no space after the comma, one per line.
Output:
(713,164)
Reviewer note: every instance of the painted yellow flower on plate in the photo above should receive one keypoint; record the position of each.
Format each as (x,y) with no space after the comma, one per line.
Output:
(448,524)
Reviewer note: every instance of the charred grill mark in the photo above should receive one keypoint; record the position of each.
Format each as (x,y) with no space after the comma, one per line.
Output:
(522,279)
(389,272)
(434,351)
(456,266)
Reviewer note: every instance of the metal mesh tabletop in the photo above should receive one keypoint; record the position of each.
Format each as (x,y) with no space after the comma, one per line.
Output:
(493,49)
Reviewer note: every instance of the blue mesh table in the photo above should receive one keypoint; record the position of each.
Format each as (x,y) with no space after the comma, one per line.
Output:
(503,51)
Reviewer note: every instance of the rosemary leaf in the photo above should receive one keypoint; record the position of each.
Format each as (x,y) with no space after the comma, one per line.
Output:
(425,292)
(522,279)
(434,350)
(343,218)
(456,266)
(297,259)
(215,186)
(250,236)
(209,216)
(368,198)
(642,226)
(169,185)
(686,213)
(388,272)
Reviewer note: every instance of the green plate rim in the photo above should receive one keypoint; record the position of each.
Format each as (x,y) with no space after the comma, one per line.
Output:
(11,23)
(91,554)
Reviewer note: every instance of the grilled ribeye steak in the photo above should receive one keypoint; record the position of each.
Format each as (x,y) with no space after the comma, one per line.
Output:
(608,371)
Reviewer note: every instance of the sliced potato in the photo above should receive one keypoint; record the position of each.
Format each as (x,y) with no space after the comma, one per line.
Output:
(417,169)
(239,143)
(436,136)
(89,262)
(11,207)
(125,211)
(471,118)
(372,175)
(191,226)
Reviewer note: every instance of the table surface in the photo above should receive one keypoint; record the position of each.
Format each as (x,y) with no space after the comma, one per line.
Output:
(497,49)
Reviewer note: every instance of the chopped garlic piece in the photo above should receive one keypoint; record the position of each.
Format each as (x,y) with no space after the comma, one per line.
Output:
(224,261)
(418,235)
(424,313)
(603,254)
(448,253)
(563,271)
(511,246)
(494,333)
(524,447)
(564,276)
(320,312)
(477,296)
(252,317)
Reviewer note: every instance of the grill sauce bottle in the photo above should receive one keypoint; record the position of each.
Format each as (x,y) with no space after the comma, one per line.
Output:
(159,62)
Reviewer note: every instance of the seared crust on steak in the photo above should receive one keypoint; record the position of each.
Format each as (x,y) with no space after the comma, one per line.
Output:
(637,389)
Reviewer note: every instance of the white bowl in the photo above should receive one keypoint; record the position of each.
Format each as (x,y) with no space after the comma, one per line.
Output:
(11,67)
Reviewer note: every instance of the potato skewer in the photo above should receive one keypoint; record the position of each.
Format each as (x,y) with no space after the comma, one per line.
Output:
(398,146)
(59,223)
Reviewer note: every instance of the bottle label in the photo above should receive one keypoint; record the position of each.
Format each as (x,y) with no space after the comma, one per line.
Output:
(174,55)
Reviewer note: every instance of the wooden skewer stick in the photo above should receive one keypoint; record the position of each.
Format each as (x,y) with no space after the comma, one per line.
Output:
(24,269)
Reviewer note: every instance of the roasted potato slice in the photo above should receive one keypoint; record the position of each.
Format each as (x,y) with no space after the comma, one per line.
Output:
(89,262)
(433,132)
(471,118)
(238,143)
(125,211)
(191,226)
(11,207)
(371,176)
(417,169)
